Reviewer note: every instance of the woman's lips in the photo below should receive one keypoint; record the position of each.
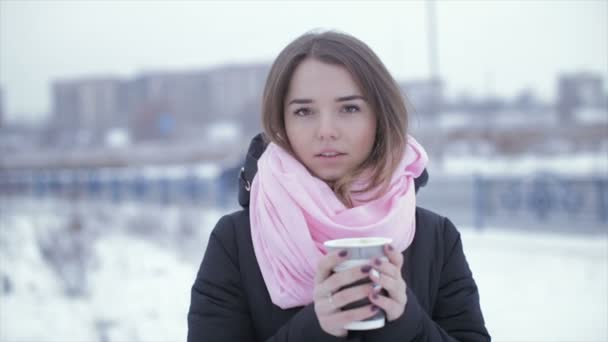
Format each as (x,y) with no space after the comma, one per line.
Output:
(332,158)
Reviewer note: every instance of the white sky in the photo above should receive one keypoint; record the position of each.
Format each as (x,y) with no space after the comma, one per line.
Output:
(492,46)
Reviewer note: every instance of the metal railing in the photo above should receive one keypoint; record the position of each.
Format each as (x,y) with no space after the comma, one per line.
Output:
(540,202)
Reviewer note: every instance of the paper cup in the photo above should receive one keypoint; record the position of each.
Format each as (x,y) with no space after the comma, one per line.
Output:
(360,252)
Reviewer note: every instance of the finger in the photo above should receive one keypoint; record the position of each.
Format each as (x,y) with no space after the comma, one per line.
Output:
(338,300)
(327,263)
(341,279)
(392,307)
(395,287)
(342,318)
(384,266)
(352,294)
(325,305)
(394,256)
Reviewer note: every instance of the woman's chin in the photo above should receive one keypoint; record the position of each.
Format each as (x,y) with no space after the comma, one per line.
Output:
(329,178)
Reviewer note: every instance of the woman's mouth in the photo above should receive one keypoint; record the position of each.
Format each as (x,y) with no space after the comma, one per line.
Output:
(330,155)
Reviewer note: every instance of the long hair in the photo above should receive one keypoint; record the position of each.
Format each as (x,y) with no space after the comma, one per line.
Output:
(372,77)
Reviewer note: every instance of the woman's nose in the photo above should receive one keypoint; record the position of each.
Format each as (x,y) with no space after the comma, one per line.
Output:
(328,127)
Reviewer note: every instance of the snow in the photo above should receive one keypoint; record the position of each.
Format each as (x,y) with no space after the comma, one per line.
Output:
(36,309)
(583,164)
(201,170)
(144,258)
(454,120)
(590,115)
(207,170)
(541,287)
(142,289)
(118,138)
(223,132)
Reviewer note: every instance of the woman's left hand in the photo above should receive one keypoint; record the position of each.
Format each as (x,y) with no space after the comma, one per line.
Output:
(388,276)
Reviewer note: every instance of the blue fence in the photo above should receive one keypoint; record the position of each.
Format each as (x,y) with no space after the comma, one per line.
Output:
(542,202)
(122,184)
(554,201)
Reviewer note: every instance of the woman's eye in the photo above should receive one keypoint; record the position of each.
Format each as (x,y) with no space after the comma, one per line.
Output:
(351,109)
(302,111)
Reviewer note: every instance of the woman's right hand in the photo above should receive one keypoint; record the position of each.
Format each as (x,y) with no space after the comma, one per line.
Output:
(328,301)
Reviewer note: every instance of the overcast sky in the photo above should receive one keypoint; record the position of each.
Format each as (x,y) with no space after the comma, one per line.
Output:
(491,46)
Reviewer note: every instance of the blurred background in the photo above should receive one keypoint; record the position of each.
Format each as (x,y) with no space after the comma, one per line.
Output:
(124,124)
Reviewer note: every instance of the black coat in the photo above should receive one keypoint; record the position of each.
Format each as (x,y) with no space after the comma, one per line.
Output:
(230,301)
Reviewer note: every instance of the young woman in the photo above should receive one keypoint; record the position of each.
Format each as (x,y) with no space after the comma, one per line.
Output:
(335,161)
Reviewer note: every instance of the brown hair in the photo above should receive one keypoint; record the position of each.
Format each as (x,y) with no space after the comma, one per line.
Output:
(378,86)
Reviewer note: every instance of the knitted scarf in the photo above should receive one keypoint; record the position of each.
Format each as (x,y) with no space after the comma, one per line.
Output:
(293,212)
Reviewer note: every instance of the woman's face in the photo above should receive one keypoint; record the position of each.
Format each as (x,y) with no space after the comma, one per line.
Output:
(329,124)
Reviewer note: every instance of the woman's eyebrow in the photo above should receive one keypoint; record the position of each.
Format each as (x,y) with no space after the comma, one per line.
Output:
(300,101)
(350,97)
(338,99)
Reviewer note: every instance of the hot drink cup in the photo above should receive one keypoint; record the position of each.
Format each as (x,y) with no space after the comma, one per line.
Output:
(361,251)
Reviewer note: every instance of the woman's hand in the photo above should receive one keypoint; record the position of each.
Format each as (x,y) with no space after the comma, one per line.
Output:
(389,278)
(328,301)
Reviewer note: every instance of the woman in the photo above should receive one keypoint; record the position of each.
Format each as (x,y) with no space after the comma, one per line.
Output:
(334,162)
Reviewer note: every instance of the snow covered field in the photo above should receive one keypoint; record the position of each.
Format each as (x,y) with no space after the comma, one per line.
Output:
(140,261)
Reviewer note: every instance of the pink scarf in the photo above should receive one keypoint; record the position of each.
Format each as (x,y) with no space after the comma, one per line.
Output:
(292,213)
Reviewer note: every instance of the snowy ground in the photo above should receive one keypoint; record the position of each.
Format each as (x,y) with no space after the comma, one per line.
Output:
(142,260)
(541,287)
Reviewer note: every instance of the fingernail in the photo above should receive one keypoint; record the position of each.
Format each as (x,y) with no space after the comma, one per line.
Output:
(366,268)
(375,308)
(390,247)
(343,253)
(378,262)
(375,296)
(377,288)
(375,274)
